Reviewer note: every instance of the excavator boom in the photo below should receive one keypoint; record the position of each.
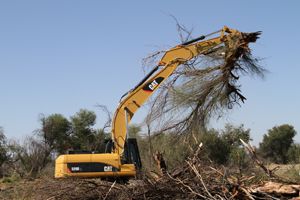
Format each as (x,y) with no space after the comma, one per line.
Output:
(167,65)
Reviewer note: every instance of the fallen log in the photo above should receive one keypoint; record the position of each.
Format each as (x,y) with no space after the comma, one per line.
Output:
(276,190)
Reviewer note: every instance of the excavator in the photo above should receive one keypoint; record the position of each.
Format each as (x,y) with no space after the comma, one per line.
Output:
(122,158)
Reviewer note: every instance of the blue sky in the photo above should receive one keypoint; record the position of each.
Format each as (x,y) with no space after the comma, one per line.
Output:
(60,56)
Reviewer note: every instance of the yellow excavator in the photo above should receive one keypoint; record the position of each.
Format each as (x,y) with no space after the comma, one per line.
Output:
(122,158)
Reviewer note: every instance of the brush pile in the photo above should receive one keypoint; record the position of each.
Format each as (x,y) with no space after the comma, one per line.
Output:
(193,180)
(197,178)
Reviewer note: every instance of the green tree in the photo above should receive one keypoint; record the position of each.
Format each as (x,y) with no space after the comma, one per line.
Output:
(224,147)
(83,135)
(216,148)
(231,135)
(134,130)
(3,150)
(294,154)
(99,145)
(55,132)
(61,134)
(276,143)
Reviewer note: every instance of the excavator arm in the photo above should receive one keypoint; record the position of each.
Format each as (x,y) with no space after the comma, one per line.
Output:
(172,58)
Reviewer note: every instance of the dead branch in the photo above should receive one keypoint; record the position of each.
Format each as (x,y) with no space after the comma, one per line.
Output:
(109,190)
(254,157)
(104,109)
(200,178)
(187,186)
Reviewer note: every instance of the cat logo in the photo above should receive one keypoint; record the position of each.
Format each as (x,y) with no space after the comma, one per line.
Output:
(150,87)
(75,169)
(108,168)
(153,85)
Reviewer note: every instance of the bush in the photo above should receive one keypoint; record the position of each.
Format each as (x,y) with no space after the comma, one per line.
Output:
(30,157)
(276,143)
(174,149)
(222,147)
(294,154)
(3,151)
(216,148)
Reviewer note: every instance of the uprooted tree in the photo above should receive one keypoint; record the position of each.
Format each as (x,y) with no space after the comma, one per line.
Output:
(204,87)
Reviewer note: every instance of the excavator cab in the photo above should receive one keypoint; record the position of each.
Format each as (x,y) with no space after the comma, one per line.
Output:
(131,153)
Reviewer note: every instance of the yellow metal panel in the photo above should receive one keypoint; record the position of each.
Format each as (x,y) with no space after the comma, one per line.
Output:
(62,171)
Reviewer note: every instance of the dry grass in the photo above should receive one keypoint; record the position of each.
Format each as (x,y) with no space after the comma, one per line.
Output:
(289,172)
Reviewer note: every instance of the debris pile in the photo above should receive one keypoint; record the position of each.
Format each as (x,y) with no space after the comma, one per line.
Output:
(195,179)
